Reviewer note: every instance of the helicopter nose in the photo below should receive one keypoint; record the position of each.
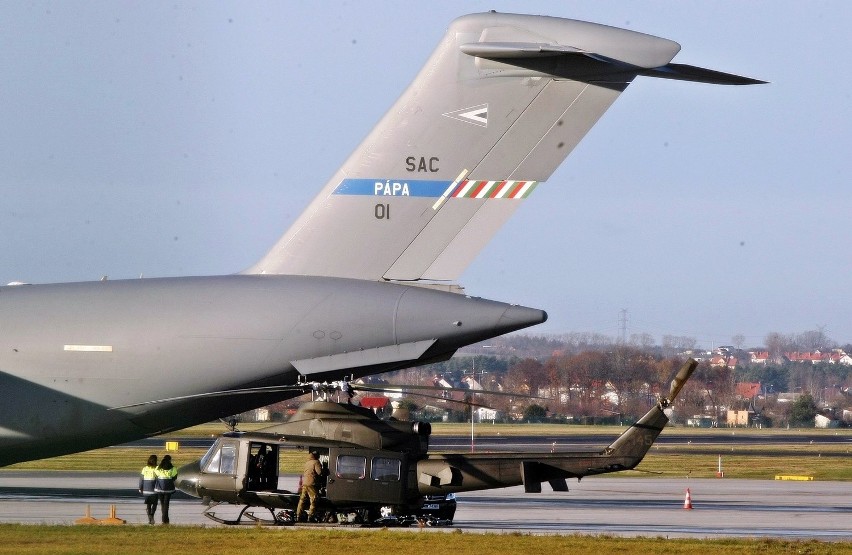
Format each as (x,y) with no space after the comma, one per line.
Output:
(188,478)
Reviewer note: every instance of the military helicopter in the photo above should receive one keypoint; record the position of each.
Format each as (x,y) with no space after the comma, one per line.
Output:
(380,472)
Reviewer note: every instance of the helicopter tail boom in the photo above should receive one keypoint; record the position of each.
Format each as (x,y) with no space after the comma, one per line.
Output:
(452,473)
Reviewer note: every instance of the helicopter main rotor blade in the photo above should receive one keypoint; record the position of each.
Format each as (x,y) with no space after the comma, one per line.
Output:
(460,401)
(316,386)
(404,388)
(247,391)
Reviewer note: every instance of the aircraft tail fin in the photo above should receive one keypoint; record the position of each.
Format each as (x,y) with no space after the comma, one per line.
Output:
(635,442)
(498,106)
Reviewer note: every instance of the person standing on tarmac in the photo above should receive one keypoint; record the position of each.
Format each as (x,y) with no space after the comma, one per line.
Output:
(165,485)
(310,477)
(147,485)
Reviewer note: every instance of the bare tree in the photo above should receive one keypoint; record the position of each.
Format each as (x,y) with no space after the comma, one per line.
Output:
(528,375)
(738,340)
(643,341)
(813,340)
(586,373)
(777,344)
(676,344)
(631,370)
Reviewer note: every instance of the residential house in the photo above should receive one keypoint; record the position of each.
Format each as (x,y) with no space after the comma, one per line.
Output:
(825,422)
(739,418)
(747,390)
(723,361)
(835,356)
(758,357)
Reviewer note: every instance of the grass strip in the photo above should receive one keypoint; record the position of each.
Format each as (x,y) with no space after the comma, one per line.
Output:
(754,467)
(177,540)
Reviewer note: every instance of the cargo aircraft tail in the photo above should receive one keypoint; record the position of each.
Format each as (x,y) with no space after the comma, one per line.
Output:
(496,108)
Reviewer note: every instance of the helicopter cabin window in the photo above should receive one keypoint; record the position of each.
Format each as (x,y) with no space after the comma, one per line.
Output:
(223,460)
(384,469)
(351,467)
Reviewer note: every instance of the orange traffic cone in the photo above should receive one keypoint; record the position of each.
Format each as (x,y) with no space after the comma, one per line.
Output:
(687,503)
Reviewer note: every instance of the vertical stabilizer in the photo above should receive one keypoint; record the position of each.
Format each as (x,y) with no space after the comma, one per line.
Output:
(501,102)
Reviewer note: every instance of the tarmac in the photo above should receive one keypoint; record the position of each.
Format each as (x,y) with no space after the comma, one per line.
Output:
(618,506)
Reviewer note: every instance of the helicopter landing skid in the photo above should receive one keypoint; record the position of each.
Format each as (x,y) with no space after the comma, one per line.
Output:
(287,517)
(280,519)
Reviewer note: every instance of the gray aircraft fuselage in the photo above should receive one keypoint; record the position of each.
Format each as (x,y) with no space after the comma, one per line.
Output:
(71,355)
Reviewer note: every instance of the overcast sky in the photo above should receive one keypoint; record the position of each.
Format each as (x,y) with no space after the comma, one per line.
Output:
(182,138)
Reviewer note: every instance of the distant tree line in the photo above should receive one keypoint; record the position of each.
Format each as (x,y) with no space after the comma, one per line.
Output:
(590,377)
(616,386)
(586,378)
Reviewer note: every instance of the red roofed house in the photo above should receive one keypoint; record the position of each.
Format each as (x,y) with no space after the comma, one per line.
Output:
(759,357)
(723,361)
(748,390)
(838,356)
(814,357)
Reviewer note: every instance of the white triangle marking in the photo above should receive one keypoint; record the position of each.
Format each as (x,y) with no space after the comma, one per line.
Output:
(477,115)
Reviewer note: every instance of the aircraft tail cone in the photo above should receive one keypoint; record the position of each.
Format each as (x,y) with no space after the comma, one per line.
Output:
(88,518)
(687,502)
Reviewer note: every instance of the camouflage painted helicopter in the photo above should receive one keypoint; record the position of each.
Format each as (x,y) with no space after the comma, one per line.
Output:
(379,472)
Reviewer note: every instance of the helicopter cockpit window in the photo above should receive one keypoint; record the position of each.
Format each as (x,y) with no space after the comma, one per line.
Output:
(224,460)
(385,469)
(351,467)
(214,450)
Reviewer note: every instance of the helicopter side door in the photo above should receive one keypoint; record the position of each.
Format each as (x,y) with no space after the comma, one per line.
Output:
(262,467)
(219,471)
(366,475)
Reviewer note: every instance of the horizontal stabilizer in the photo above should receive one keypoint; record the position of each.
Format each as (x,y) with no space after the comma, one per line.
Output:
(683,72)
(559,484)
(657,66)
(534,473)
(646,54)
